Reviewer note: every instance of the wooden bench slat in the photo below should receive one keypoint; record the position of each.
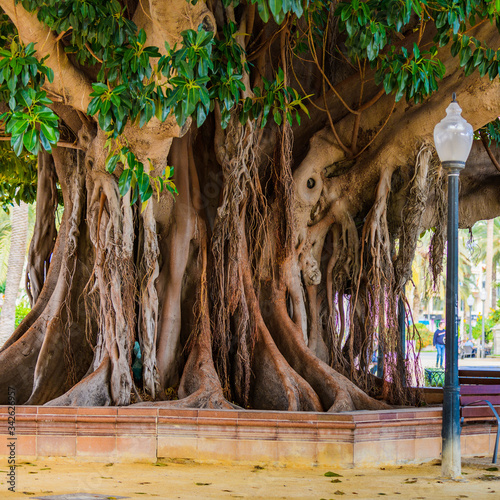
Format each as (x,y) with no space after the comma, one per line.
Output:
(479,411)
(478,373)
(493,399)
(479,389)
(476,381)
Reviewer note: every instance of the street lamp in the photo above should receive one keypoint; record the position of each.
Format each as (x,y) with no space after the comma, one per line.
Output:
(470,303)
(453,140)
(483,300)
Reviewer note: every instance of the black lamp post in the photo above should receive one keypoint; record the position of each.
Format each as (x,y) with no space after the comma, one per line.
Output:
(453,140)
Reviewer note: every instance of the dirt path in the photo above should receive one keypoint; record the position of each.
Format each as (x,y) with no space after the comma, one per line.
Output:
(174,480)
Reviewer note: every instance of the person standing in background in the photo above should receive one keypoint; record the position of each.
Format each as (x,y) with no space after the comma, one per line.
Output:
(439,341)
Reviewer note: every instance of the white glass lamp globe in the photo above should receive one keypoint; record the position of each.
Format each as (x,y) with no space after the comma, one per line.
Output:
(453,137)
(470,300)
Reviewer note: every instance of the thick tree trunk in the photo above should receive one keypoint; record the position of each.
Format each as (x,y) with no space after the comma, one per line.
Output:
(270,291)
(43,240)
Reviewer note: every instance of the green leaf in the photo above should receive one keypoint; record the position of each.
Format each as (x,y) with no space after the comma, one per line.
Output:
(493,70)
(275,6)
(18,127)
(111,162)
(201,114)
(30,140)
(49,132)
(478,56)
(24,98)
(124,181)
(399,94)
(483,68)
(99,89)
(17,144)
(263,10)
(146,194)
(142,37)
(45,142)
(465,55)
(143,183)
(388,83)
(94,106)
(135,195)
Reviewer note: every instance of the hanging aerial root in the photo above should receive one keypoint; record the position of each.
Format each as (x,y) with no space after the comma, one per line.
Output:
(115,274)
(242,194)
(283,185)
(200,386)
(149,301)
(438,239)
(416,203)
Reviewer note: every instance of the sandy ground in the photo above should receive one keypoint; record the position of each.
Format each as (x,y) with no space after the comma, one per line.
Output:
(184,480)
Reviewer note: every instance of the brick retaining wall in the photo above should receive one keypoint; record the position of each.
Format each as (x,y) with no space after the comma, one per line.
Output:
(132,434)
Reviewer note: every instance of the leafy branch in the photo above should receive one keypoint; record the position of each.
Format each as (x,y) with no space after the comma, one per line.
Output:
(29,120)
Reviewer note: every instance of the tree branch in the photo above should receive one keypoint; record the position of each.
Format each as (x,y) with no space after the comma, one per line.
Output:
(61,144)
(484,140)
(68,81)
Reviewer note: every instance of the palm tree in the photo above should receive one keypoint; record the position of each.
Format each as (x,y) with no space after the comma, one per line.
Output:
(487,250)
(19,235)
(4,246)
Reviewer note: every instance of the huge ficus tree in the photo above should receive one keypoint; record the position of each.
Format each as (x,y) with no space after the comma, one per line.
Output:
(244,184)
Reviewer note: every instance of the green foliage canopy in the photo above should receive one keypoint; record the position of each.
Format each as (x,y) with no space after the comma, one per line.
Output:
(136,81)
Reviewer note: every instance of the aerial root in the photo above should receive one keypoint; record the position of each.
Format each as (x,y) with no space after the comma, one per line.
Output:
(336,392)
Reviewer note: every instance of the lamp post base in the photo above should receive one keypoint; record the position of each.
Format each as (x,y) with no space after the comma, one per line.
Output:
(451,464)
